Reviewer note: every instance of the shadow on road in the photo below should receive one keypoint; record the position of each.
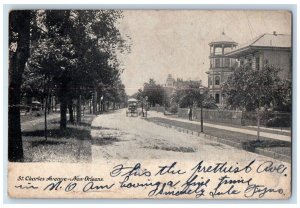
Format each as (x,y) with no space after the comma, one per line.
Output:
(173,149)
(105,141)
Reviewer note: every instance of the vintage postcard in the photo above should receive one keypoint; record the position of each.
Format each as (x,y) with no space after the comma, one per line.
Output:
(158,104)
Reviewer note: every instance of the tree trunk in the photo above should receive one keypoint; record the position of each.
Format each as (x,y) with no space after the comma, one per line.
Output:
(49,103)
(95,102)
(99,106)
(71,114)
(52,103)
(55,104)
(19,22)
(78,108)
(45,117)
(90,105)
(63,113)
(64,99)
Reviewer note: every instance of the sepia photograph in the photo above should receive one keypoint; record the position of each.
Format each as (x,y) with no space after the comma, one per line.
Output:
(169,104)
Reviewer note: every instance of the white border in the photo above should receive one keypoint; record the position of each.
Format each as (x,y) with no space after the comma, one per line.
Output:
(134,4)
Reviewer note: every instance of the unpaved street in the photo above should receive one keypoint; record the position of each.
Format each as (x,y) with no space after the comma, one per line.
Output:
(115,136)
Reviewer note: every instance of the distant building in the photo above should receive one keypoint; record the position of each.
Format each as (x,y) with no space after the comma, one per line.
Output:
(183,84)
(170,82)
(221,66)
(172,85)
(267,49)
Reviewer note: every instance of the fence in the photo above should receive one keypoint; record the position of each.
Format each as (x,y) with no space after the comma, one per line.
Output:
(273,119)
(228,116)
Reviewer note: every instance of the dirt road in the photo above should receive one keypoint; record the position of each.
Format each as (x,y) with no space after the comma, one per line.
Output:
(115,136)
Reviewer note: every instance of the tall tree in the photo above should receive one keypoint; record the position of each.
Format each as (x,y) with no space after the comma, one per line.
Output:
(250,89)
(19,41)
(72,54)
(154,92)
(80,53)
(193,94)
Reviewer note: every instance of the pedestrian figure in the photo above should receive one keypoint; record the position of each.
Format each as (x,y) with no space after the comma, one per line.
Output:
(190,113)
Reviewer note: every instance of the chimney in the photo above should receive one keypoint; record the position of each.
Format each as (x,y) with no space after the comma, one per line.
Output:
(274,33)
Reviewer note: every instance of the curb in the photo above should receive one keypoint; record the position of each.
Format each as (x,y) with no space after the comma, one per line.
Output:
(237,145)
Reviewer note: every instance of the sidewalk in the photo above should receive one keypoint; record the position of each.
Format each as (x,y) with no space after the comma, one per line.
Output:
(264,132)
(273,145)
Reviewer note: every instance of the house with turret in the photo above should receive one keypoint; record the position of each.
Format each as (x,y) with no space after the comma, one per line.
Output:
(221,66)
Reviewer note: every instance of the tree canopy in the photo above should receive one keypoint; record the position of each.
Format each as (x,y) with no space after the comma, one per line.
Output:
(153,91)
(70,54)
(75,55)
(193,94)
(249,89)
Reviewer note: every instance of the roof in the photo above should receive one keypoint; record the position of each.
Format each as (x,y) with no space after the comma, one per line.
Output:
(223,38)
(280,41)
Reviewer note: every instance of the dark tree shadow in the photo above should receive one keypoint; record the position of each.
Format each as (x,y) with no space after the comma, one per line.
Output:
(46,142)
(102,128)
(173,149)
(252,145)
(80,134)
(97,128)
(105,141)
(84,124)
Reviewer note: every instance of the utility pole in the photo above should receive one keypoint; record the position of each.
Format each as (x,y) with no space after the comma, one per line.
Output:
(201,109)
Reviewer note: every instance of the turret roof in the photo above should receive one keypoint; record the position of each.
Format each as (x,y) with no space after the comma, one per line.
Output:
(223,38)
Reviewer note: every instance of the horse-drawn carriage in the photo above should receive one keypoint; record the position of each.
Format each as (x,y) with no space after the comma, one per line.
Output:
(132,107)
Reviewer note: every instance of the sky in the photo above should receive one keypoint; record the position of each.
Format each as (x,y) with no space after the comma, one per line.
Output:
(176,41)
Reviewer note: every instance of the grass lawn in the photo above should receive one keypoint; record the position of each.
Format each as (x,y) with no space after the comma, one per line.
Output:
(70,145)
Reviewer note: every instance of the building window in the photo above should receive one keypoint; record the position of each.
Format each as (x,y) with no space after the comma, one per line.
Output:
(257,67)
(217,80)
(209,81)
(217,97)
(250,62)
(218,62)
(227,62)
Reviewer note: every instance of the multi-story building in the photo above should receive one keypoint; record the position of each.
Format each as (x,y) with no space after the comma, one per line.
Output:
(267,49)
(221,66)
(225,54)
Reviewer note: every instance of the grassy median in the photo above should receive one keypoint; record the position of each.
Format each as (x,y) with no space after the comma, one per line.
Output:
(70,145)
(248,142)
